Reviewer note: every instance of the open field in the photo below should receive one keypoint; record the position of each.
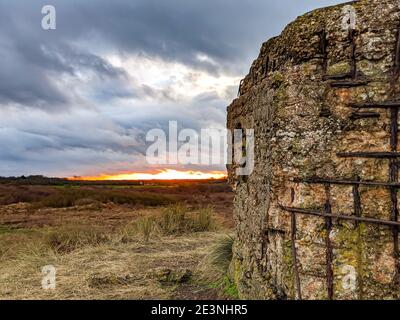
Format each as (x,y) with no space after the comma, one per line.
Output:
(116,241)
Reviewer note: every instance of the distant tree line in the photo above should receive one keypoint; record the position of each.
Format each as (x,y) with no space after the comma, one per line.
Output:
(42,180)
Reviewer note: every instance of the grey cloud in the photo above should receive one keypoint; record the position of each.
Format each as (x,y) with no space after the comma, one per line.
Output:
(69,59)
(42,127)
(70,144)
(228,33)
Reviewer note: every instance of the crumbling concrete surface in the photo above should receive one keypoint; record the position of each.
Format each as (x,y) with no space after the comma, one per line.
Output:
(322,99)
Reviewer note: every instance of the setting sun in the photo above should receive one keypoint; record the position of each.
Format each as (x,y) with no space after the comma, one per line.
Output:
(166,174)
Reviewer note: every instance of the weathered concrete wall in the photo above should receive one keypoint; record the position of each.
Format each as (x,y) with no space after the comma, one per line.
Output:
(301,121)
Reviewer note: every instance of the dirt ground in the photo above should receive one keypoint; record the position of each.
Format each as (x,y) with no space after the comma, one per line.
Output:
(113,271)
(107,256)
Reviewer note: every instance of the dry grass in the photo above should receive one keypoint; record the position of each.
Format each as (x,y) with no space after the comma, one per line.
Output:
(214,268)
(76,196)
(195,194)
(99,262)
(204,220)
(71,237)
(221,254)
(177,219)
(105,271)
(110,243)
(174,220)
(146,227)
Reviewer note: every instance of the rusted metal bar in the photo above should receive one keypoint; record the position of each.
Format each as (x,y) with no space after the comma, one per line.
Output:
(324,51)
(317,180)
(349,84)
(294,249)
(396,67)
(357,200)
(393,175)
(342,217)
(266,65)
(379,105)
(340,76)
(353,61)
(364,115)
(395,231)
(328,242)
(394,129)
(377,155)
(271,230)
(294,255)
(358,213)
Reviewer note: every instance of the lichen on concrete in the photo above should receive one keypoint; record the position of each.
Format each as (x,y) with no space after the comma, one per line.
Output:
(301,122)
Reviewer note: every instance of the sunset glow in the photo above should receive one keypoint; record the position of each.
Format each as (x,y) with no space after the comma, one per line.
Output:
(166,174)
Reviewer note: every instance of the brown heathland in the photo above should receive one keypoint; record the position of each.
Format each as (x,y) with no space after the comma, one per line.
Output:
(120,241)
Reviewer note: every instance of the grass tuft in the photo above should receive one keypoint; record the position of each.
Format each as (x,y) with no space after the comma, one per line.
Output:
(214,268)
(204,219)
(71,237)
(145,226)
(177,219)
(221,254)
(173,219)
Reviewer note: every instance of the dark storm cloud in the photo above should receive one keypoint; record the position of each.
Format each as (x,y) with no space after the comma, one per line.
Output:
(24,73)
(48,77)
(68,59)
(28,59)
(229,33)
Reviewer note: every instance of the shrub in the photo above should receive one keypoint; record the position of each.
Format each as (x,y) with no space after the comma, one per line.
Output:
(145,226)
(173,219)
(68,238)
(204,219)
(177,219)
(17,194)
(214,268)
(221,254)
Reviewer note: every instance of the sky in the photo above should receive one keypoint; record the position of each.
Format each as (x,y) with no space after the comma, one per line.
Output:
(79,100)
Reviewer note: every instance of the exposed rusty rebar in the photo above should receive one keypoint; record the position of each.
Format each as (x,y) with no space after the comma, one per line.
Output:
(393,176)
(342,217)
(376,155)
(294,249)
(294,256)
(339,76)
(349,84)
(328,242)
(266,66)
(358,213)
(353,60)
(364,115)
(396,66)
(324,51)
(379,105)
(317,180)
